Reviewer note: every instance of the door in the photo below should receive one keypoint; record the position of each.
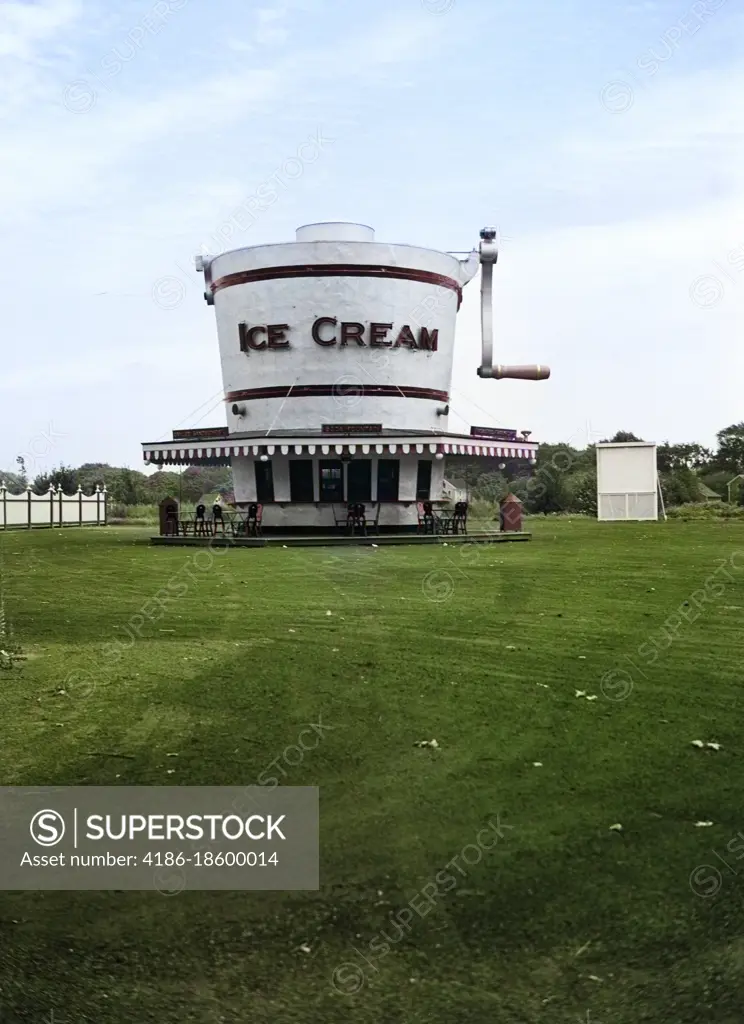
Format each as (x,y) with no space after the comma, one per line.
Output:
(388,476)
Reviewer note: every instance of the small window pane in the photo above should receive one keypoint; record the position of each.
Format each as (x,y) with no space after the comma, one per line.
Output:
(331,481)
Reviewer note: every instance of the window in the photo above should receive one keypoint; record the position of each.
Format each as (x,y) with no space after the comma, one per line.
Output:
(331,481)
(301,480)
(359,480)
(423,481)
(388,473)
(264,482)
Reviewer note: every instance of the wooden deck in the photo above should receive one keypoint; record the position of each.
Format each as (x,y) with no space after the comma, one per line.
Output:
(338,540)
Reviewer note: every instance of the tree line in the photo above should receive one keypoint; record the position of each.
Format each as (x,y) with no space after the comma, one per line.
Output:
(128,486)
(562,479)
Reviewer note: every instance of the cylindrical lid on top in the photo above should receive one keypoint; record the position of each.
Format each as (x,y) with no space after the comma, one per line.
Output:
(335,231)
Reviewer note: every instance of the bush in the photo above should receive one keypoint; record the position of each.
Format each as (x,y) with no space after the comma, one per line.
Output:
(64,477)
(133,515)
(582,493)
(680,487)
(546,491)
(520,487)
(558,515)
(490,487)
(705,511)
(483,510)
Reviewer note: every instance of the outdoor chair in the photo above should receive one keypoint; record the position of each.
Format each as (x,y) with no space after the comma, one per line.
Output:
(201,527)
(426,520)
(356,517)
(253,519)
(217,518)
(373,523)
(339,520)
(460,517)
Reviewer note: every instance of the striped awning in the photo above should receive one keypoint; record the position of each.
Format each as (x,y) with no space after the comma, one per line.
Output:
(178,453)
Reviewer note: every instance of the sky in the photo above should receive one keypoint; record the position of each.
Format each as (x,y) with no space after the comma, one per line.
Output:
(605,141)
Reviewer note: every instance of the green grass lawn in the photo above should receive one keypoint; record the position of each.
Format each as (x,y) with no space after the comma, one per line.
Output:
(482,648)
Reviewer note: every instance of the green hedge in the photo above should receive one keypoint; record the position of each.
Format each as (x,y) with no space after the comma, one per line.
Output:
(710,511)
(133,515)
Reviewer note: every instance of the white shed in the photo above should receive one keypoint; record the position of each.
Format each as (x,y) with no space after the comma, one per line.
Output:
(627,481)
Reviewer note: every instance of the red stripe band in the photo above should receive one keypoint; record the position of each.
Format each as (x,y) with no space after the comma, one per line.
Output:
(339,390)
(339,270)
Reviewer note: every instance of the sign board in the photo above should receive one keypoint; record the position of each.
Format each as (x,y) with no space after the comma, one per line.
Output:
(494,433)
(197,435)
(351,428)
(329,331)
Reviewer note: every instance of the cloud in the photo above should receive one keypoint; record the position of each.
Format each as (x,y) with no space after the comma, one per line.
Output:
(613,217)
(629,281)
(271,25)
(25,26)
(609,308)
(116,126)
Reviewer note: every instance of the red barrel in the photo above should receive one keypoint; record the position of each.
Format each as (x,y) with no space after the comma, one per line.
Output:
(510,514)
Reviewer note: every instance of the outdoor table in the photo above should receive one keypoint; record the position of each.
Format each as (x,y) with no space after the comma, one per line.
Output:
(242,524)
(187,521)
(236,522)
(444,519)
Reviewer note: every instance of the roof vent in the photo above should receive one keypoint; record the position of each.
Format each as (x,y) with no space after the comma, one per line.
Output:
(335,231)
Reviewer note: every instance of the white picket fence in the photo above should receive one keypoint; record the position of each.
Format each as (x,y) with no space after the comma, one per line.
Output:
(52,509)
